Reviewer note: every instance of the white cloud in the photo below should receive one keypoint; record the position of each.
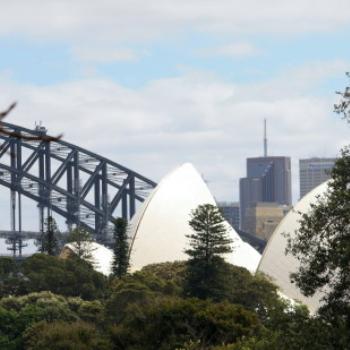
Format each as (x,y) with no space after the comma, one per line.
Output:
(233,50)
(197,118)
(121,21)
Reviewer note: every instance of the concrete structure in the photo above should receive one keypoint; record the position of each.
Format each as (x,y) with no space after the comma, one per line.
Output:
(263,217)
(268,180)
(313,172)
(230,211)
(159,228)
(279,266)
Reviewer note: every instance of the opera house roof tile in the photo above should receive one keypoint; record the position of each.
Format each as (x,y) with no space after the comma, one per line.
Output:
(159,228)
(279,266)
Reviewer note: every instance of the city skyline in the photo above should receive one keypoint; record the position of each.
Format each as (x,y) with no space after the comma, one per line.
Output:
(158,84)
(268,180)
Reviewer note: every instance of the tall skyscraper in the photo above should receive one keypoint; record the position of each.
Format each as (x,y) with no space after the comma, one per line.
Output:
(314,171)
(268,180)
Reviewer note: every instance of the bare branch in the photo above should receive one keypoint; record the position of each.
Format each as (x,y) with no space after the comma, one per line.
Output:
(3,131)
(343,107)
(5,113)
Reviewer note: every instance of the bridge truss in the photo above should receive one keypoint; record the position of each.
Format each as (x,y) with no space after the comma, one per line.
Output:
(81,186)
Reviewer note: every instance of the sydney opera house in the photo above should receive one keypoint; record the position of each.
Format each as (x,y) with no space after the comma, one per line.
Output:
(159,228)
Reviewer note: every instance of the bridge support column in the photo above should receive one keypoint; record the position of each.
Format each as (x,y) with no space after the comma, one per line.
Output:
(105,204)
(13,210)
(125,206)
(41,218)
(132,197)
(13,222)
(19,213)
(70,205)
(97,193)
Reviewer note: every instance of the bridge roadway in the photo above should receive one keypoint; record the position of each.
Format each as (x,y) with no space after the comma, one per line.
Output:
(23,234)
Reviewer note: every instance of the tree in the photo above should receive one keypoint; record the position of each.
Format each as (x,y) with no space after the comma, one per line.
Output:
(81,240)
(343,107)
(48,242)
(207,244)
(120,249)
(322,245)
(170,323)
(62,335)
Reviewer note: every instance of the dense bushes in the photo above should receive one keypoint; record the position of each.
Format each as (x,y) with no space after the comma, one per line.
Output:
(170,323)
(71,277)
(145,310)
(59,335)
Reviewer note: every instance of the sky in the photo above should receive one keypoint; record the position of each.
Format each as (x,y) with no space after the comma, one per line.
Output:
(153,84)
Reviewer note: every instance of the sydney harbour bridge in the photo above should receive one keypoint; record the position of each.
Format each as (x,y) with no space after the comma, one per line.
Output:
(83,187)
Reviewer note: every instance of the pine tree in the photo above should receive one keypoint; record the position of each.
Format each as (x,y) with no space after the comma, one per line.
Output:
(48,242)
(121,249)
(81,240)
(208,242)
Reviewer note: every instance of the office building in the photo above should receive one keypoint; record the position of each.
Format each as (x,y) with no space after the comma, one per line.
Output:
(268,180)
(263,217)
(313,172)
(230,211)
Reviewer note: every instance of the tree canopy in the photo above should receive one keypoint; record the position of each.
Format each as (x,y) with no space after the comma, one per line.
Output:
(208,242)
(48,242)
(322,243)
(148,309)
(120,248)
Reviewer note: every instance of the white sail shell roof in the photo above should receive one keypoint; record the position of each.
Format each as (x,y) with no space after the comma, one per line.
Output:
(276,264)
(159,228)
(101,256)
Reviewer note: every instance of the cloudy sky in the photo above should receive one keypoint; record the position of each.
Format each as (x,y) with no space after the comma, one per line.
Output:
(152,84)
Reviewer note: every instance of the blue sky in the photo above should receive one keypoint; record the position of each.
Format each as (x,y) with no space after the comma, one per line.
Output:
(158,83)
(30,61)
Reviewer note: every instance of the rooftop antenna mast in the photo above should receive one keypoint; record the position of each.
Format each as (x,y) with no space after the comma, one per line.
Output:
(265,139)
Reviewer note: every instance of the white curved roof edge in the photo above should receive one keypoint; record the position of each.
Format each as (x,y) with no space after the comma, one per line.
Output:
(168,209)
(278,266)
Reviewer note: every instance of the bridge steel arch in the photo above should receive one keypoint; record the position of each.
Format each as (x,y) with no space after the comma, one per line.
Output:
(50,172)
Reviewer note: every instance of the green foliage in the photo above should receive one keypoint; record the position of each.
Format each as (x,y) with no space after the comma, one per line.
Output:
(294,333)
(120,249)
(206,268)
(11,279)
(149,310)
(88,311)
(206,280)
(81,240)
(170,277)
(210,234)
(68,336)
(170,323)
(70,277)
(322,244)
(48,242)
(139,289)
(17,314)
